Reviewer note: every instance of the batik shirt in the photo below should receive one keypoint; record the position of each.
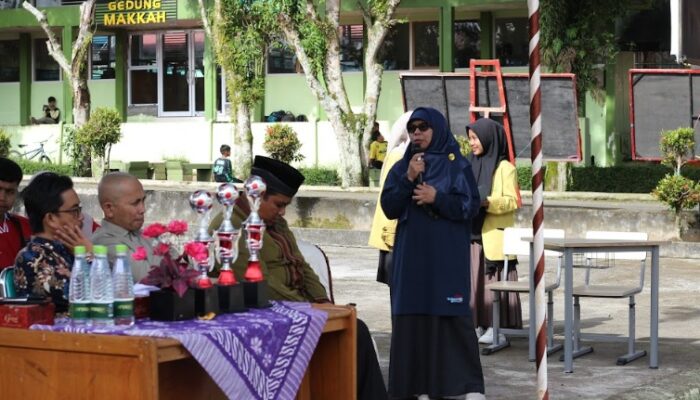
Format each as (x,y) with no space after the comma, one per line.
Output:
(43,269)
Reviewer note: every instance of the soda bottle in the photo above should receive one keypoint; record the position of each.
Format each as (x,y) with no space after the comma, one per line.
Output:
(101,291)
(79,289)
(123,288)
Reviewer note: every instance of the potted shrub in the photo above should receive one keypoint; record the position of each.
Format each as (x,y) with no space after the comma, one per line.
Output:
(677,191)
(282,143)
(176,300)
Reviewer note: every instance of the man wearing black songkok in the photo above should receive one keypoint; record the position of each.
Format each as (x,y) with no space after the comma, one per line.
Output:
(288,275)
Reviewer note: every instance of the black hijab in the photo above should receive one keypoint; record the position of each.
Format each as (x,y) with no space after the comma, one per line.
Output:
(493,139)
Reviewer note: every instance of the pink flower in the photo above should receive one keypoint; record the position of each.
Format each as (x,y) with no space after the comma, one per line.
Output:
(177,227)
(161,248)
(154,230)
(140,254)
(198,251)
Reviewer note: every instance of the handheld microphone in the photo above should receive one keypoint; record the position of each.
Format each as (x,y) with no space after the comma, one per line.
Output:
(415,149)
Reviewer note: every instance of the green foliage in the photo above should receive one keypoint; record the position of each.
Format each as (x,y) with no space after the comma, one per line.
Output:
(33,167)
(678,192)
(464,146)
(76,152)
(676,145)
(576,36)
(101,131)
(4,143)
(320,176)
(242,30)
(627,178)
(675,190)
(282,144)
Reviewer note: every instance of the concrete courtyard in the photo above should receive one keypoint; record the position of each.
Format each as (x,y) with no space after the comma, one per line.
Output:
(508,373)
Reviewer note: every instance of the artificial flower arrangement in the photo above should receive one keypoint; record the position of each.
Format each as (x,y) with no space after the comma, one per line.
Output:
(174,269)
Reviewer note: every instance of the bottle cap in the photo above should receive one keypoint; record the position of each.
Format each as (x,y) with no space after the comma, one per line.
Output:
(121,249)
(100,250)
(79,250)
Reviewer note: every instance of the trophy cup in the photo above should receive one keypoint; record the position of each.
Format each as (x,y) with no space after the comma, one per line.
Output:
(255,286)
(206,299)
(230,291)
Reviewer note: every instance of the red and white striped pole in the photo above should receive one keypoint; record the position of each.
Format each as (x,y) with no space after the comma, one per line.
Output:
(533,7)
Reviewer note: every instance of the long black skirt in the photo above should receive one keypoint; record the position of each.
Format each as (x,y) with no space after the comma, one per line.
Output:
(434,355)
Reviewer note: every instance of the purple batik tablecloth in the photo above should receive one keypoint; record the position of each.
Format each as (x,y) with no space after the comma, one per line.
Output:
(260,354)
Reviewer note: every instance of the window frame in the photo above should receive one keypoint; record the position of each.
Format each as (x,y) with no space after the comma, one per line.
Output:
(13,38)
(33,50)
(90,64)
(130,67)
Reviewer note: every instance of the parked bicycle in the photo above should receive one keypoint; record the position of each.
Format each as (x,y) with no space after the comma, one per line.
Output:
(33,153)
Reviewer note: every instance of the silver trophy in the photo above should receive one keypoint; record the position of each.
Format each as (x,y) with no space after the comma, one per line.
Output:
(227,194)
(201,201)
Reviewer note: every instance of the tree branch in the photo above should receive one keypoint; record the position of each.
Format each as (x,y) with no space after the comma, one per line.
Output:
(82,42)
(293,38)
(52,43)
(205,19)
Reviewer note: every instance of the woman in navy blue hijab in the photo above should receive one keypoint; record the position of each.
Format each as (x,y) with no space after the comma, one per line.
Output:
(433,194)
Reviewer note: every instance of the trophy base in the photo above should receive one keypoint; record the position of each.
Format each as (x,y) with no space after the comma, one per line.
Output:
(206,301)
(255,294)
(166,305)
(226,278)
(231,298)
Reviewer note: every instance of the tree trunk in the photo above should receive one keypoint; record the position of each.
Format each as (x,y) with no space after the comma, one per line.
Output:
(350,170)
(242,149)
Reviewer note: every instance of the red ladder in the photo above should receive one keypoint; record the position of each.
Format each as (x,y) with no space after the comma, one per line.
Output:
(492,70)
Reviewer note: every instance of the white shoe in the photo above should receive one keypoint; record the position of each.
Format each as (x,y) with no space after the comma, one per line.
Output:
(479,332)
(475,396)
(487,338)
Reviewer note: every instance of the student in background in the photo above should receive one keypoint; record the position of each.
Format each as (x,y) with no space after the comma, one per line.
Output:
(14,228)
(377,149)
(222,170)
(51,113)
(497,180)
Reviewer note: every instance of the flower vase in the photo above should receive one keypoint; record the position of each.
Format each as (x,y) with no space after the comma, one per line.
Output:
(166,305)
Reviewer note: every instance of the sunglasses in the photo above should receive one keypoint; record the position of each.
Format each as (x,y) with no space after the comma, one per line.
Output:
(423,126)
(76,211)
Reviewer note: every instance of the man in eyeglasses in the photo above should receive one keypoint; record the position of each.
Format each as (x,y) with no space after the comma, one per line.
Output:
(42,268)
(14,229)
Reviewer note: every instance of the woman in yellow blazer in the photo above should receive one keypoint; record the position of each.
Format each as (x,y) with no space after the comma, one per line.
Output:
(497,180)
(382,233)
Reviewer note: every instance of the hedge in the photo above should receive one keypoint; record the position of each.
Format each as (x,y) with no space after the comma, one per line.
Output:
(33,167)
(320,177)
(626,178)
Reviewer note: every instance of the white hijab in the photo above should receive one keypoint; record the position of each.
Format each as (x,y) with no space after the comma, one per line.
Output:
(398,137)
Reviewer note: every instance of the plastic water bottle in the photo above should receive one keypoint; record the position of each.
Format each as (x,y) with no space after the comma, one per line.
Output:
(79,289)
(101,291)
(123,288)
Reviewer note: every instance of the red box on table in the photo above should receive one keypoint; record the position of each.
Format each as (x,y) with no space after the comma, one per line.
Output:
(25,315)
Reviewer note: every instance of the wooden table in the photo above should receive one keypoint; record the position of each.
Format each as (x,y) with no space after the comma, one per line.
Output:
(569,247)
(50,365)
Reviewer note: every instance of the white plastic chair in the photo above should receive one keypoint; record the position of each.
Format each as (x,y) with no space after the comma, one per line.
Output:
(319,263)
(610,291)
(514,245)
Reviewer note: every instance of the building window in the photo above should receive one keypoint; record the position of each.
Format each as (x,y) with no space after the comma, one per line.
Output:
(102,57)
(467,42)
(281,59)
(45,67)
(394,53)
(9,61)
(351,47)
(426,50)
(512,41)
(143,71)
